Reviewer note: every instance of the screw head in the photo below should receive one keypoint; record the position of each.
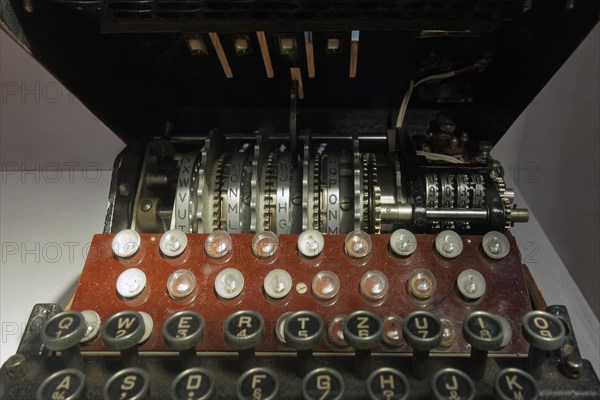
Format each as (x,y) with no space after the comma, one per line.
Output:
(301,287)
(572,366)
(124,189)
(146,205)
(484,146)
(14,365)
(346,203)
(297,199)
(453,142)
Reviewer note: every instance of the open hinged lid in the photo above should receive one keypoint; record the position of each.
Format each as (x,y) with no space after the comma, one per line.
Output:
(147,66)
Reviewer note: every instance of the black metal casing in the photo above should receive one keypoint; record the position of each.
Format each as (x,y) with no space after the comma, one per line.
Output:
(130,63)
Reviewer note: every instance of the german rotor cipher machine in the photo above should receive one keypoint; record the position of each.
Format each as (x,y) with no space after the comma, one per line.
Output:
(307,206)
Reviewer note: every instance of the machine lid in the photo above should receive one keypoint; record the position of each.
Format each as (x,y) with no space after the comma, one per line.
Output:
(155,68)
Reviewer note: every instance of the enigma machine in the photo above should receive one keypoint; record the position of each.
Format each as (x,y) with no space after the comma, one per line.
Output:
(307,206)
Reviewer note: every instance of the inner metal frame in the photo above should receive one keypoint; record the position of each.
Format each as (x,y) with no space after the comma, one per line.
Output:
(334,184)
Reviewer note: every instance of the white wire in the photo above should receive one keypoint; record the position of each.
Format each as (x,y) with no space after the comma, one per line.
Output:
(411,87)
(404,107)
(439,157)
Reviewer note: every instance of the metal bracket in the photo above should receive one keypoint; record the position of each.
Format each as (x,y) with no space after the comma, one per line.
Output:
(293,120)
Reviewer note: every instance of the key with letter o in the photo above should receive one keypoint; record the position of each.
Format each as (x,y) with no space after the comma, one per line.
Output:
(544,332)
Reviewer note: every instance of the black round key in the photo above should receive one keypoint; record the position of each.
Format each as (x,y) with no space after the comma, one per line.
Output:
(483,331)
(257,383)
(123,330)
(452,384)
(323,384)
(387,384)
(127,384)
(363,330)
(63,332)
(183,330)
(66,384)
(244,329)
(544,332)
(423,332)
(513,383)
(303,330)
(193,383)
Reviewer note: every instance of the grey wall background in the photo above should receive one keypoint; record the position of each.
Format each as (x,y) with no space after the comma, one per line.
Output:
(55,158)
(41,122)
(552,153)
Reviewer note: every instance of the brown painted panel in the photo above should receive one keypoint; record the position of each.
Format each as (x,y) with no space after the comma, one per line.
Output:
(506,288)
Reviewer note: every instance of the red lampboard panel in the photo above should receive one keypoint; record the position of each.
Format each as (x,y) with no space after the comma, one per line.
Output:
(506,292)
